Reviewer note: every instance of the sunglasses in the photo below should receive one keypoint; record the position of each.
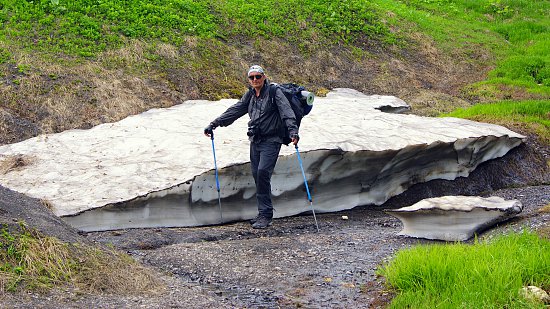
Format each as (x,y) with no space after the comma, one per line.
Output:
(252,77)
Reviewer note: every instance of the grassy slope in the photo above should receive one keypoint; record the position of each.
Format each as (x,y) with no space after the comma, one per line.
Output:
(102,60)
(522,60)
(529,116)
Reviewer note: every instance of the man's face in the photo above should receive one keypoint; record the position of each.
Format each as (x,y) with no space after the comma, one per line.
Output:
(256,79)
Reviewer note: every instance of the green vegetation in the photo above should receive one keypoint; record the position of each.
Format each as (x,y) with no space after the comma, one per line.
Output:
(515,32)
(513,36)
(530,115)
(31,260)
(485,274)
(19,265)
(298,20)
(86,27)
(172,43)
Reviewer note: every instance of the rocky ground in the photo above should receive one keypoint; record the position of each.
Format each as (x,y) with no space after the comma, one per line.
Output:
(291,265)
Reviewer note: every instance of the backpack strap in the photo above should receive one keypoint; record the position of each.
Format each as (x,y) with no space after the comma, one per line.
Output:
(272,90)
(248,95)
(283,132)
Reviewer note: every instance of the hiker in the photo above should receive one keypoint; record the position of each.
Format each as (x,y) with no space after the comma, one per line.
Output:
(264,133)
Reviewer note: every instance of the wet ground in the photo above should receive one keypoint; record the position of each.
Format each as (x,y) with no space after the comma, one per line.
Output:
(291,264)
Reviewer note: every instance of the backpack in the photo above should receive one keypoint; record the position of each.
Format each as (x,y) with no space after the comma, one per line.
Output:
(298,102)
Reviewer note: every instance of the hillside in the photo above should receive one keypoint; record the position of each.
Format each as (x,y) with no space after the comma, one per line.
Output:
(75,64)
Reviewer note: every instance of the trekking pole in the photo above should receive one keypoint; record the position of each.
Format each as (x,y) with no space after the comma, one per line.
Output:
(216,173)
(307,188)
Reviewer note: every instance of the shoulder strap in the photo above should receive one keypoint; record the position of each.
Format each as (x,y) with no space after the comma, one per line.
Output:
(248,95)
(272,90)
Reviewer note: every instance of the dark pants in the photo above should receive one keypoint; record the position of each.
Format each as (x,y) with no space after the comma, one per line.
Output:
(263,156)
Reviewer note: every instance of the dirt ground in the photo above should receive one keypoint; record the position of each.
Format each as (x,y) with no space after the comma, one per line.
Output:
(289,265)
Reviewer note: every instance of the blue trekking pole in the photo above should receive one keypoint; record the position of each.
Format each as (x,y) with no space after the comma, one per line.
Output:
(307,188)
(217,179)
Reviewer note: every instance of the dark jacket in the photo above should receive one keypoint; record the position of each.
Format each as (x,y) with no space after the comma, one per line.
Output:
(266,118)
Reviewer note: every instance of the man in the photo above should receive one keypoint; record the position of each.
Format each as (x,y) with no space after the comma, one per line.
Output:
(265,135)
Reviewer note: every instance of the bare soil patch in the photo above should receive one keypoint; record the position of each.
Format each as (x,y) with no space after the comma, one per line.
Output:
(38,96)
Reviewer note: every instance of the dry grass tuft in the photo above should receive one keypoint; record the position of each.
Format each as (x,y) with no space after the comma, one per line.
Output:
(34,261)
(46,259)
(167,51)
(322,92)
(114,273)
(46,204)
(6,281)
(129,55)
(14,163)
(544,232)
(545,208)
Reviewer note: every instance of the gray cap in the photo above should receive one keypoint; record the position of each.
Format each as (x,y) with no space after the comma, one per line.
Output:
(256,68)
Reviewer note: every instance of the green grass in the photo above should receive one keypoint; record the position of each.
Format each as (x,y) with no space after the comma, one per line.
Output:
(87,27)
(486,274)
(532,115)
(302,20)
(511,35)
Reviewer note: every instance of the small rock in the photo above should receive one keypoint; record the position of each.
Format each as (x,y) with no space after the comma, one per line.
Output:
(535,293)
(345,218)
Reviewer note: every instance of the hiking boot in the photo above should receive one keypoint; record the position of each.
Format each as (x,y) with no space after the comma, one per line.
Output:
(253,220)
(262,223)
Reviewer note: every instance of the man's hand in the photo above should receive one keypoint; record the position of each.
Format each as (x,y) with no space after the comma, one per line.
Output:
(295,138)
(209,130)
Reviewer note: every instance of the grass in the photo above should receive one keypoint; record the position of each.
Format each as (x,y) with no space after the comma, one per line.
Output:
(513,36)
(12,163)
(30,260)
(85,28)
(486,274)
(531,115)
(53,53)
(48,46)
